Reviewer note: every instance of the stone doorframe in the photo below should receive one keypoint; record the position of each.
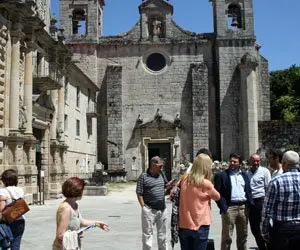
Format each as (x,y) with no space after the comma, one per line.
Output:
(147,140)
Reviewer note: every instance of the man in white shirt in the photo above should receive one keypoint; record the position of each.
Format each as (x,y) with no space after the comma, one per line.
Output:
(259,180)
(274,159)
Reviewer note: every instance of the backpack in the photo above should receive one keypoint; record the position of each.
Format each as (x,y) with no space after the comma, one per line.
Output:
(6,236)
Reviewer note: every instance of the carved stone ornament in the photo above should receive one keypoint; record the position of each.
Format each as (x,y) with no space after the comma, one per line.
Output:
(22,117)
(158,115)
(249,61)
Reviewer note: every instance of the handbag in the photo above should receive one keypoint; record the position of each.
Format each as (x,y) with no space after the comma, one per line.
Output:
(6,236)
(15,209)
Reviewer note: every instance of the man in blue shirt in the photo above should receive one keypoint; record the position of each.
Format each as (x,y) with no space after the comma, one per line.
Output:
(259,180)
(282,206)
(234,188)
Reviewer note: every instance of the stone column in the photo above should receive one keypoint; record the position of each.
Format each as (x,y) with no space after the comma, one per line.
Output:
(249,105)
(115,153)
(200,106)
(54,118)
(16,36)
(28,90)
(61,113)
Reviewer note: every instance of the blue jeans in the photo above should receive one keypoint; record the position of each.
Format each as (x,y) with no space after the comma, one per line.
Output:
(17,228)
(194,239)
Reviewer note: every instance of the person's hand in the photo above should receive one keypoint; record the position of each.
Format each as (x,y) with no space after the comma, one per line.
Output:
(170,183)
(102,225)
(80,236)
(267,238)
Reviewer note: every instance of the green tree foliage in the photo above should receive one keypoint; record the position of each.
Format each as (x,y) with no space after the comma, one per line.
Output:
(285,93)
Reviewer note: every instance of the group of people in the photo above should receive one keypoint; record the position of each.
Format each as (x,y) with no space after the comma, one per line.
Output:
(268,200)
(68,217)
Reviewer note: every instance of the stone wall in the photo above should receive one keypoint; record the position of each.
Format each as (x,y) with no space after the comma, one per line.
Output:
(229,56)
(279,134)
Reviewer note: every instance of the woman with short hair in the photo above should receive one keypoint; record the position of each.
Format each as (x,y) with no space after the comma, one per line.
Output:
(196,194)
(68,217)
(9,179)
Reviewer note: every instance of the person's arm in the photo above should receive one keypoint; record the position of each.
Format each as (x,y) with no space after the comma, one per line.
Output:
(100,224)
(63,218)
(140,199)
(267,179)
(267,211)
(2,204)
(212,192)
(219,186)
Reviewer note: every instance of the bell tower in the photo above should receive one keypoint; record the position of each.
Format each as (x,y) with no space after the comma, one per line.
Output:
(82,19)
(233,18)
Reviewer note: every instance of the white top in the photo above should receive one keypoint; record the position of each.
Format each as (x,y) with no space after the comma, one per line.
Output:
(277,172)
(259,181)
(17,192)
(189,168)
(237,187)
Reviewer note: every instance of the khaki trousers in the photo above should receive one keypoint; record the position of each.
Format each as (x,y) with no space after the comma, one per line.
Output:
(150,217)
(235,216)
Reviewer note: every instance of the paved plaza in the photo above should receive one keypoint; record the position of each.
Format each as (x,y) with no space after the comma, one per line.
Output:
(119,209)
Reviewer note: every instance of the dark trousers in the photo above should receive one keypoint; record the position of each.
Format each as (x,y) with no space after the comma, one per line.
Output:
(255,219)
(285,236)
(17,228)
(192,239)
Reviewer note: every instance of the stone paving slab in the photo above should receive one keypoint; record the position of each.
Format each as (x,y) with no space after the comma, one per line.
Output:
(120,210)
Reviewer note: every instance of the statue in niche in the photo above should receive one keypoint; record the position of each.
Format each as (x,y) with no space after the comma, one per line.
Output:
(59,131)
(22,117)
(156,27)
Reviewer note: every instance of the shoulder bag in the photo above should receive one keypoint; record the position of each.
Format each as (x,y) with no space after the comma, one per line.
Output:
(14,210)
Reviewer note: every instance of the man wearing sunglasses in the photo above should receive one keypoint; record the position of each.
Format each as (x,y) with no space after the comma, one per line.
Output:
(150,191)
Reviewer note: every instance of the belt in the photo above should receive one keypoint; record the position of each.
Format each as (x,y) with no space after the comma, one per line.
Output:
(259,199)
(237,203)
(281,222)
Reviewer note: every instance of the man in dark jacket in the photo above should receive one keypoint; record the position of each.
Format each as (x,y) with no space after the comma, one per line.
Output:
(234,188)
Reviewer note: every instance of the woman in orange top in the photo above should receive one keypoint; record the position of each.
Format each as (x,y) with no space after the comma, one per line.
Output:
(194,205)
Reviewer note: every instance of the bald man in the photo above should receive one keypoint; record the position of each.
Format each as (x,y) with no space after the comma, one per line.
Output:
(259,180)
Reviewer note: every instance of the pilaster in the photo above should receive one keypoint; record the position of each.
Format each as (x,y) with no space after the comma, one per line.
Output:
(28,88)
(249,110)
(16,36)
(115,149)
(200,106)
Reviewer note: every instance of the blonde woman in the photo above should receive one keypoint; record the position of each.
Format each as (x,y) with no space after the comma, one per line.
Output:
(196,193)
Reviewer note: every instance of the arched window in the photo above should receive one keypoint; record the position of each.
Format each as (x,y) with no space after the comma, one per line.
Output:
(79,22)
(234,14)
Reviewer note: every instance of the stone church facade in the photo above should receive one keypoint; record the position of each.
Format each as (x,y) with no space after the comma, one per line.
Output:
(168,91)
(47,104)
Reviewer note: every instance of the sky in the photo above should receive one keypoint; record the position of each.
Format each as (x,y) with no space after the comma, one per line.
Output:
(277,24)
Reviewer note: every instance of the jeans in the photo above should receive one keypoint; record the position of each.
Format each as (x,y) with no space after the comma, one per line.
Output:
(17,228)
(255,219)
(285,236)
(192,239)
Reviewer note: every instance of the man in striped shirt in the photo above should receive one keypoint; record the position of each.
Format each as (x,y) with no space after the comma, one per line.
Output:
(150,191)
(282,206)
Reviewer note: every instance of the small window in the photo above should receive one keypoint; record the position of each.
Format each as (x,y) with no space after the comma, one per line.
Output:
(156,62)
(77,128)
(77,96)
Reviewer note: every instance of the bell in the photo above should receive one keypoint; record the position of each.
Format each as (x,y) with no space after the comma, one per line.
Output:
(234,21)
